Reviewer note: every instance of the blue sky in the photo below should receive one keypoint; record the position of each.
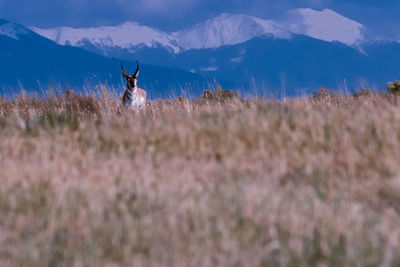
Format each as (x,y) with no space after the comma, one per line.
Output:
(380,16)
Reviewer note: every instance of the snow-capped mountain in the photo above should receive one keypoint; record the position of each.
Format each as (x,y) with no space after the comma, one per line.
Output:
(12,30)
(125,36)
(325,25)
(226,29)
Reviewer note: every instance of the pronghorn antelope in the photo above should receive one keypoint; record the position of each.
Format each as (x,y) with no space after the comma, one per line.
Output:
(133,97)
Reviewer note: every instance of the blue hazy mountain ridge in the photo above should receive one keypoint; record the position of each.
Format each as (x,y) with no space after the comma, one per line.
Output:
(303,64)
(287,66)
(34,64)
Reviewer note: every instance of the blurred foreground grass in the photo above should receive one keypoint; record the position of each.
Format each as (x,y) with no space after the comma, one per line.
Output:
(301,182)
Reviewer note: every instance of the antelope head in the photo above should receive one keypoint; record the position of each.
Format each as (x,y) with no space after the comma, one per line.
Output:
(131,79)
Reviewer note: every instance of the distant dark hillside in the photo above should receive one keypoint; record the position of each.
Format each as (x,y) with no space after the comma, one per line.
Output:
(289,67)
(34,63)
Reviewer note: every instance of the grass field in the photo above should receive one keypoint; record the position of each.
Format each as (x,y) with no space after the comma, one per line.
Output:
(300,182)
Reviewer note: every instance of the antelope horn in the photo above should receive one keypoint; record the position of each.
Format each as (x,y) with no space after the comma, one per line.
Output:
(137,70)
(123,71)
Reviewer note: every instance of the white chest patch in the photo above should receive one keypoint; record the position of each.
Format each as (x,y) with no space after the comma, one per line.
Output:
(137,102)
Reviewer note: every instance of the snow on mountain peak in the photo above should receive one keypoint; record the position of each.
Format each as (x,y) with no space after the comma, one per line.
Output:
(125,36)
(227,29)
(326,25)
(12,30)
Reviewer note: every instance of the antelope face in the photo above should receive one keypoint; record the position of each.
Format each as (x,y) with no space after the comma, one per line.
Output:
(131,81)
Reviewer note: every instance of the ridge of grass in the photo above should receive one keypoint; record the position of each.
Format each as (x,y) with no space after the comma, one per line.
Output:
(234,182)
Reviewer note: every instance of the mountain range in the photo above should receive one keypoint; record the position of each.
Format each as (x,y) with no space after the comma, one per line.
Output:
(292,55)
(33,63)
(223,30)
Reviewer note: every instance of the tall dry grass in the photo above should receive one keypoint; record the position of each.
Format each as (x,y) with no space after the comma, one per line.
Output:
(300,182)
